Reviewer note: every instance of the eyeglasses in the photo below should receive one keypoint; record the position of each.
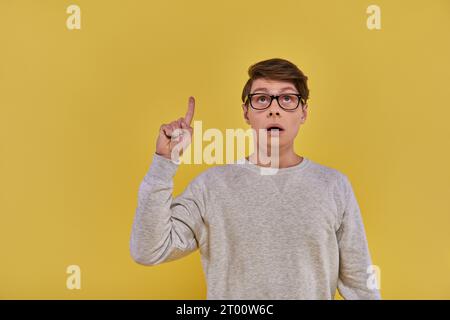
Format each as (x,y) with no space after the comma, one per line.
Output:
(261,101)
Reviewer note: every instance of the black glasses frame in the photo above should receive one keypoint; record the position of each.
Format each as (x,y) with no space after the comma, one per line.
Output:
(300,100)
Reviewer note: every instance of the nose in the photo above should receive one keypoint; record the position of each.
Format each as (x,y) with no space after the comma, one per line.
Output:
(274,109)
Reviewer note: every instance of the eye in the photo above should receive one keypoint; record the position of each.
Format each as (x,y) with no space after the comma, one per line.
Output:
(286,98)
(262,99)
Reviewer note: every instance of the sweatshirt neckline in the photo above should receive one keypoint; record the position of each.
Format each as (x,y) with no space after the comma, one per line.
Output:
(271,171)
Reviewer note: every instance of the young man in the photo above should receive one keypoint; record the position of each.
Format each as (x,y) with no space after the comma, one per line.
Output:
(295,234)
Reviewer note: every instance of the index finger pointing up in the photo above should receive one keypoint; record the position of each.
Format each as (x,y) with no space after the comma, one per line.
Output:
(190,111)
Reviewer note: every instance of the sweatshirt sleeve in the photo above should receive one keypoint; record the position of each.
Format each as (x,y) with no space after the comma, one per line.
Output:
(354,256)
(166,229)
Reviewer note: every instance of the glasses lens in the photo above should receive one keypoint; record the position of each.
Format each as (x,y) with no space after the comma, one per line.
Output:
(288,101)
(260,101)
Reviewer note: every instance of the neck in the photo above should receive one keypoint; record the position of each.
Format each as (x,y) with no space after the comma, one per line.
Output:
(287,158)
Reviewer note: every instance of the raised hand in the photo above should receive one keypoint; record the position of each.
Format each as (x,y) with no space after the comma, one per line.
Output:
(176,136)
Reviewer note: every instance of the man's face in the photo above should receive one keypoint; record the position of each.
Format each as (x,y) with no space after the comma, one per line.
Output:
(290,120)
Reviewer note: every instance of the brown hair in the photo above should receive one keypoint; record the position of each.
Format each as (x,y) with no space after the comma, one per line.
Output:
(277,69)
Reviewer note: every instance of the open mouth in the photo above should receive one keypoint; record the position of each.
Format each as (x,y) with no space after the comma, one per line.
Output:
(274,128)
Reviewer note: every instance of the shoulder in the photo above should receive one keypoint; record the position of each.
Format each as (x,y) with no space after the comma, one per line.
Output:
(339,187)
(215,175)
(337,182)
(327,173)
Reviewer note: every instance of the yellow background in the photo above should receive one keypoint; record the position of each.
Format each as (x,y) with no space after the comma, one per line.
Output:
(81,109)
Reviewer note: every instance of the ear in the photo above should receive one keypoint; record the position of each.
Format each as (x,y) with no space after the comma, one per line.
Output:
(304,114)
(245,110)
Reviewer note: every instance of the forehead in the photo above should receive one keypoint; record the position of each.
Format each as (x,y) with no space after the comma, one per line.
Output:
(271,85)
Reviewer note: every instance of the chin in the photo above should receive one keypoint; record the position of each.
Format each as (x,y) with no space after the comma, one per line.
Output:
(281,143)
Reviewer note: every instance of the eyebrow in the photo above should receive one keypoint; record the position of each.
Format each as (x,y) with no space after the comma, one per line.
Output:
(282,89)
